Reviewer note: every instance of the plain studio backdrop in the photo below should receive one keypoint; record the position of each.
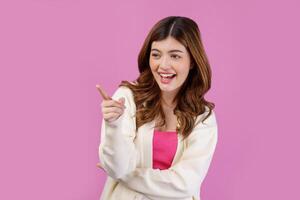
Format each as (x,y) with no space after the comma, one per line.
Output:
(54,52)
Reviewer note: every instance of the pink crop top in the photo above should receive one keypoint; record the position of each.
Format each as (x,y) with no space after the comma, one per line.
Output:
(164,148)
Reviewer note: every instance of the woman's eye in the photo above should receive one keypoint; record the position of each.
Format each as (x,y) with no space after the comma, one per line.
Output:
(175,56)
(172,56)
(154,55)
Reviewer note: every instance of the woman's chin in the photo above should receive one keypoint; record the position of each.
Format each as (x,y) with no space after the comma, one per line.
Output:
(167,88)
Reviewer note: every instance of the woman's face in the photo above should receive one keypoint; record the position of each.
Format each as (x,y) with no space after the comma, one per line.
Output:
(170,64)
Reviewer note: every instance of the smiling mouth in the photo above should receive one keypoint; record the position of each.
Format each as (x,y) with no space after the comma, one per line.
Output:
(166,76)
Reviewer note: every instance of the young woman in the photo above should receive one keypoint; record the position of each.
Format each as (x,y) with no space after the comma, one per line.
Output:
(158,133)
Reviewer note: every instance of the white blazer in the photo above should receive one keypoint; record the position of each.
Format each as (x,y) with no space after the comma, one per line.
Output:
(126,156)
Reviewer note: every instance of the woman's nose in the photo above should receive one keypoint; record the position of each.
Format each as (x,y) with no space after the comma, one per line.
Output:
(165,63)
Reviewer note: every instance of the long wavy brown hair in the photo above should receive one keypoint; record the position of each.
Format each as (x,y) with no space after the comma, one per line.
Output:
(190,98)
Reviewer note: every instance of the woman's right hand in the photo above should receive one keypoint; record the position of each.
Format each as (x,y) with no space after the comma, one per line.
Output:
(111,109)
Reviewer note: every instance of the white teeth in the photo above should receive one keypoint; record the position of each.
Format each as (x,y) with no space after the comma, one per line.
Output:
(166,75)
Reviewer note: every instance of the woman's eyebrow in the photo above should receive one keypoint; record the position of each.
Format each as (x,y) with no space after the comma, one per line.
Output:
(171,51)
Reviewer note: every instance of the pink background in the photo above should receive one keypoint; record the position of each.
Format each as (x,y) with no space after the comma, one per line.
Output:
(54,52)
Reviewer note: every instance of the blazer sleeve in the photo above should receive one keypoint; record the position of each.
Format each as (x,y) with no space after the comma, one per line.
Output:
(117,152)
(183,179)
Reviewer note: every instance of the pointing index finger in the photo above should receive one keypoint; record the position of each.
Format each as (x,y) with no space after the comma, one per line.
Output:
(104,95)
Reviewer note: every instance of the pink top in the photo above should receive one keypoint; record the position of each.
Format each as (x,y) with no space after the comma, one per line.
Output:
(164,148)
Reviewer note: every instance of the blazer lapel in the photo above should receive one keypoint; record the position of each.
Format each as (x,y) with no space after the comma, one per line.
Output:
(146,132)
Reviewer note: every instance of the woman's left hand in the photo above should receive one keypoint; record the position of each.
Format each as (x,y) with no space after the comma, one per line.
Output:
(99,165)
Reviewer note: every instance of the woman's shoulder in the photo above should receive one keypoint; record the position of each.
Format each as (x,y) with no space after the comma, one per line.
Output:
(204,128)
(207,118)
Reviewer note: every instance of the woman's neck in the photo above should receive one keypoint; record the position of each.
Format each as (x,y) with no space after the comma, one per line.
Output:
(167,100)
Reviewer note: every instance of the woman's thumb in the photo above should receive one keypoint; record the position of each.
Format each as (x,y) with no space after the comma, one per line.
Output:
(122,100)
